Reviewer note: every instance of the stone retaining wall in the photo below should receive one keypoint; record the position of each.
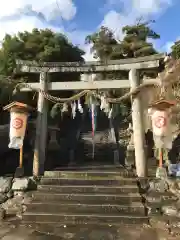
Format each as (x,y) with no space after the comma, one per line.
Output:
(14,195)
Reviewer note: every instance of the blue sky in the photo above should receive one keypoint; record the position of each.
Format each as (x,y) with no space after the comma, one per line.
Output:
(78,18)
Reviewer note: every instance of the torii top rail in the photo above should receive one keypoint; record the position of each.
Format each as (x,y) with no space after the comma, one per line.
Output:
(133,65)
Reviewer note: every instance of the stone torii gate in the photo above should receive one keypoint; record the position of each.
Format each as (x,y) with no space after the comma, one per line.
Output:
(88,69)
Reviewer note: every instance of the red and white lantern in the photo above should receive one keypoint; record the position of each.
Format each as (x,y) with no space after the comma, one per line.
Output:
(18,122)
(160,113)
(18,125)
(160,122)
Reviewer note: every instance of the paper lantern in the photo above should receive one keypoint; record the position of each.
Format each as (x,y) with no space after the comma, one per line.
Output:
(160,113)
(18,121)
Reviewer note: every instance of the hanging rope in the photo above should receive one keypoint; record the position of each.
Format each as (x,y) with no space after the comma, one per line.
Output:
(85,92)
(49,97)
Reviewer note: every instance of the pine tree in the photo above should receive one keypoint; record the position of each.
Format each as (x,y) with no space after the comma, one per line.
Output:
(136,41)
(134,44)
(103,42)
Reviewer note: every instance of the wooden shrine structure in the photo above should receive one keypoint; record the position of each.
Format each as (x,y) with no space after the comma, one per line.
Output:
(88,69)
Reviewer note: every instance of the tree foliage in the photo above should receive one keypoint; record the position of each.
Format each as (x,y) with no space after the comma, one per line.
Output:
(103,43)
(135,42)
(38,45)
(176,50)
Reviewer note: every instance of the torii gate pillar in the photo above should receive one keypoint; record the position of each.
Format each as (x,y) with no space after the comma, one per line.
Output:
(138,126)
(41,128)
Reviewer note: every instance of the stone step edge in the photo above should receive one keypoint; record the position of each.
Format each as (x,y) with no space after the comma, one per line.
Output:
(66,224)
(89,172)
(95,178)
(88,195)
(87,186)
(91,167)
(69,224)
(133,179)
(133,205)
(83,215)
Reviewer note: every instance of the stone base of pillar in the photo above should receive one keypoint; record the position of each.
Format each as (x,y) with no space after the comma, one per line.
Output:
(130,156)
(71,157)
(116,157)
(53,144)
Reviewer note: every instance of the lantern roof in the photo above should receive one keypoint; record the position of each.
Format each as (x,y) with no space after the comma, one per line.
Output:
(163,104)
(17,105)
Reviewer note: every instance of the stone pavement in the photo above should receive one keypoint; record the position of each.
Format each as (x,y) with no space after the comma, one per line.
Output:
(14,232)
(9,231)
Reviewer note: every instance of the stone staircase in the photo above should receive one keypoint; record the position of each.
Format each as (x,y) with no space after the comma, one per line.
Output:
(87,198)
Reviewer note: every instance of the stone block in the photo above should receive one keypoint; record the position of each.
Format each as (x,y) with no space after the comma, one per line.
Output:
(5,184)
(170,210)
(3,198)
(2,213)
(159,185)
(24,184)
(20,184)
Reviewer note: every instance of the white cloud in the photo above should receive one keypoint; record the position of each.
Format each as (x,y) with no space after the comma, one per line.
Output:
(167,47)
(150,6)
(65,8)
(21,15)
(25,24)
(115,21)
(133,9)
(50,8)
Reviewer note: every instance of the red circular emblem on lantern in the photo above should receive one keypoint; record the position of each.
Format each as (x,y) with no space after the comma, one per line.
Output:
(17,123)
(160,121)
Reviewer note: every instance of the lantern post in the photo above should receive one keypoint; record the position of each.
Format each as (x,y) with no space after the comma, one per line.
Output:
(18,121)
(160,112)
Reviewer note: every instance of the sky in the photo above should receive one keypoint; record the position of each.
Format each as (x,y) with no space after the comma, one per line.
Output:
(78,18)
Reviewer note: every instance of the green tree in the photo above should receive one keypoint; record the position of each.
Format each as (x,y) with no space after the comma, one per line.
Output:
(103,44)
(38,45)
(135,42)
(176,50)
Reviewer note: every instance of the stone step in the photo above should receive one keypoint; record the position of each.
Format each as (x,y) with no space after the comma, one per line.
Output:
(87,198)
(73,181)
(93,166)
(90,231)
(81,208)
(89,189)
(63,218)
(90,174)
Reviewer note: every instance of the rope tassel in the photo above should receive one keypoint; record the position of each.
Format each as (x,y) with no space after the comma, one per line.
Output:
(73,107)
(93,122)
(80,108)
